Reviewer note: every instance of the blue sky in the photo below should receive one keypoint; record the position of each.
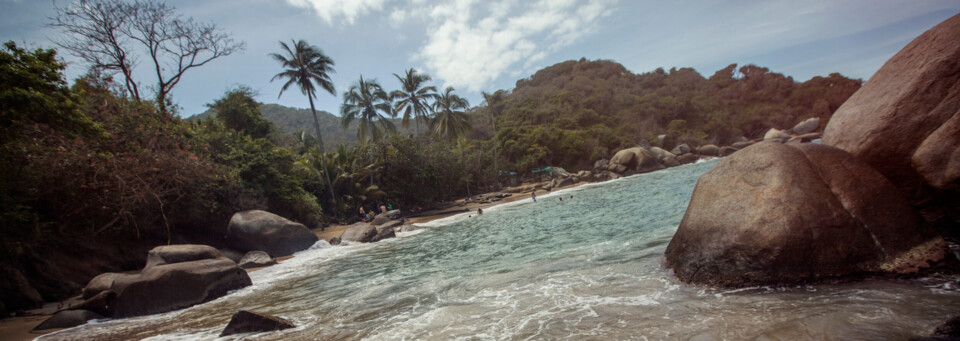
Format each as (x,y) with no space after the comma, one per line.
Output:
(484,45)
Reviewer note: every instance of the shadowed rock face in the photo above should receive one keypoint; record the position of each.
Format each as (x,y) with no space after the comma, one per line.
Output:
(170,287)
(199,275)
(260,230)
(774,213)
(905,121)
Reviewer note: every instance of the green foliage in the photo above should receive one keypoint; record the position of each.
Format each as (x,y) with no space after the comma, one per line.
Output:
(32,91)
(369,105)
(239,111)
(574,112)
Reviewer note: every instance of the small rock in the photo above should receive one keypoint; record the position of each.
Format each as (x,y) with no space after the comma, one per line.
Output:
(775,134)
(256,259)
(687,158)
(807,126)
(383,234)
(709,150)
(250,322)
(68,319)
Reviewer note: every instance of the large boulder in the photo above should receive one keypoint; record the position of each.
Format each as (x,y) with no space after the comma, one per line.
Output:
(265,231)
(68,319)
(169,254)
(624,160)
(806,126)
(251,322)
(175,286)
(781,214)
(905,122)
(359,232)
(647,162)
(164,287)
(256,259)
(666,158)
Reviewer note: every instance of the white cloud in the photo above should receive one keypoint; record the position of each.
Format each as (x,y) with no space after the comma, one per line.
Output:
(471,43)
(331,10)
(466,49)
(397,17)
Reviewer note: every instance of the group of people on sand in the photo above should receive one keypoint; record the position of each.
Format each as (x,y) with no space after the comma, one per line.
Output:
(367,216)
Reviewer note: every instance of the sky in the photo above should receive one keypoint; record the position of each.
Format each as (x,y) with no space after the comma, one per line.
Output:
(486,45)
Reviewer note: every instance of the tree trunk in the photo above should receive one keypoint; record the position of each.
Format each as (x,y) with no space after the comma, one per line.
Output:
(496,168)
(323,159)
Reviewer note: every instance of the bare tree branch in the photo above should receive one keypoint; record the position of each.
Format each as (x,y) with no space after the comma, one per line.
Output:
(111,34)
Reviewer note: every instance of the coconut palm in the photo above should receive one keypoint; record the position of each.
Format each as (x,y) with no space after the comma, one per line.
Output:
(494,107)
(413,98)
(449,120)
(367,103)
(307,67)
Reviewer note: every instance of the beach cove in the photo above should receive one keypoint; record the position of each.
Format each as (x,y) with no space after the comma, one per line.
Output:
(590,267)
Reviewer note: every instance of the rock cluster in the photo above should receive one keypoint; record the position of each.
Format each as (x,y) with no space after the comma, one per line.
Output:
(872,199)
(905,122)
(777,213)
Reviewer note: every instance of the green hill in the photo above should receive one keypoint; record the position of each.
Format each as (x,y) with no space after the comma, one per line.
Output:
(575,112)
(293,120)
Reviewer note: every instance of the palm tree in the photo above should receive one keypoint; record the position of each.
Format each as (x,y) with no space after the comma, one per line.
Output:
(494,107)
(307,66)
(367,103)
(449,120)
(413,97)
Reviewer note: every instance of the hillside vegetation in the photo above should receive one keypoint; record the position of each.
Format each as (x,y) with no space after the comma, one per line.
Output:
(293,121)
(575,112)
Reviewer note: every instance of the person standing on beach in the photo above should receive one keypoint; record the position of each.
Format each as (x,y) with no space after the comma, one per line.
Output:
(363,214)
(479,211)
(534,195)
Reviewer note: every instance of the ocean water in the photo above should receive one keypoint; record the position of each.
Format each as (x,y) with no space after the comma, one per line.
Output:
(588,268)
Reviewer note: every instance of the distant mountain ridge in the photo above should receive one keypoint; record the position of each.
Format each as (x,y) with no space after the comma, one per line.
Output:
(295,120)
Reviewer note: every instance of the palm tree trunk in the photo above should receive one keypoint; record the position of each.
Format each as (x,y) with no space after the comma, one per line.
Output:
(323,159)
(496,169)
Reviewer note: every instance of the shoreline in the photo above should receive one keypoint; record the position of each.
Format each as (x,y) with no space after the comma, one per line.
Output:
(20,328)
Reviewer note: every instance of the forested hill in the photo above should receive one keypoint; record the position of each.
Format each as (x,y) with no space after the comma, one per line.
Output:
(574,112)
(293,120)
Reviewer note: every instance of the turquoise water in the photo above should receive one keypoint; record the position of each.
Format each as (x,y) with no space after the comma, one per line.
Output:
(590,267)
